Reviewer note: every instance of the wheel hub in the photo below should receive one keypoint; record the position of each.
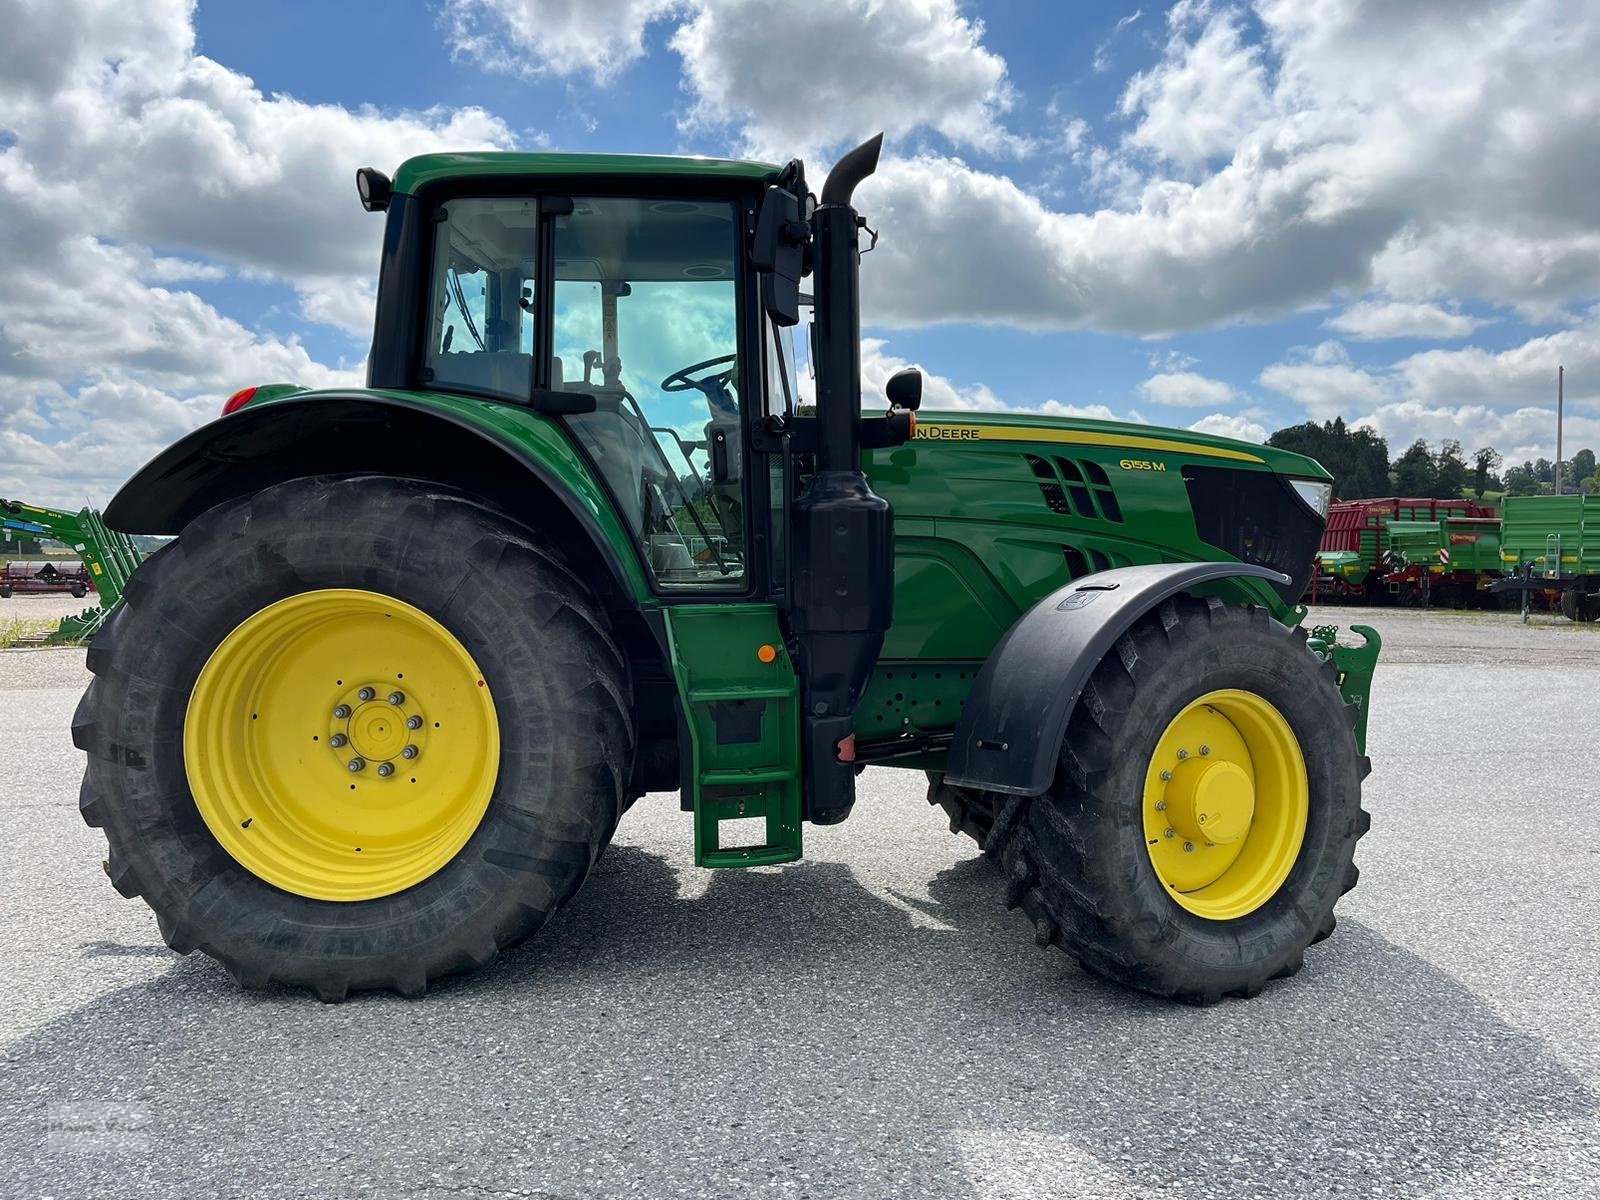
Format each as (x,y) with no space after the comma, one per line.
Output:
(1210,800)
(377,730)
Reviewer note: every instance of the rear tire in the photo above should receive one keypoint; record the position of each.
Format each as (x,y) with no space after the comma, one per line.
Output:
(1076,858)
(1576,606)
(78,591)
(5,593)
(561,701)
(970,813)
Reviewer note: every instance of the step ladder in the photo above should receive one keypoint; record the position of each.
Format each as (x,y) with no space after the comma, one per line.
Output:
(743,716)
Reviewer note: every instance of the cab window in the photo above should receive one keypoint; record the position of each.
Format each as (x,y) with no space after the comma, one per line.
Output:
(481,318)
(646,320)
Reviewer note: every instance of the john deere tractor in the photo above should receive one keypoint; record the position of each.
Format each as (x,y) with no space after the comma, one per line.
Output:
(376,712)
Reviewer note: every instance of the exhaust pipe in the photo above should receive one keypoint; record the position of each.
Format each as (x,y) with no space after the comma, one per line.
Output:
(843,544)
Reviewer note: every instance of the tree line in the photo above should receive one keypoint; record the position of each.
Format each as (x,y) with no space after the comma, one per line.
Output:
(1358,459)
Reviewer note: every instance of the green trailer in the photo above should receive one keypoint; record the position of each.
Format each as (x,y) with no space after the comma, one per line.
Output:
(110,557)
(1355,554)
(1551,545)
(374,715)
(1450,562)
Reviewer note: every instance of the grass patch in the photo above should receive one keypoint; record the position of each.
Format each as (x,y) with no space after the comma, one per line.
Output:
(15,630)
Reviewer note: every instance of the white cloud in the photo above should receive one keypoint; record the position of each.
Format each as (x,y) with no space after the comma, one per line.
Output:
(1374,320)
(1102,53)
(1207,93)
(1276,157)
(1401,147)
(121,138)
(598,38)
(1231,425)
(941,394)
(793,79)
(1186,389)
(1503,399)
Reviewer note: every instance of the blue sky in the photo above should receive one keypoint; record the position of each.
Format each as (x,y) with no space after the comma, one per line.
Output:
(1232,215)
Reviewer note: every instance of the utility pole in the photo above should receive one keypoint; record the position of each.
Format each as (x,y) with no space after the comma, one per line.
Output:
(1561,381)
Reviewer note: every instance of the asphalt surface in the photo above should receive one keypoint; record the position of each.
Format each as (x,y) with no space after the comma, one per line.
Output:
(871,1022)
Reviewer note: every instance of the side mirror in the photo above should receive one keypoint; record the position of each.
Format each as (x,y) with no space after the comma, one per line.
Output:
(779,253)
(904,389)
(374,188)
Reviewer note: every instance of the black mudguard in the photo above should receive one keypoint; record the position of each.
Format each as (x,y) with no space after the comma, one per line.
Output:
(1010,732)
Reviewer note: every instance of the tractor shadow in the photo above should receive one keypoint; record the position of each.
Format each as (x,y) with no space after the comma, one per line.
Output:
(795,1027)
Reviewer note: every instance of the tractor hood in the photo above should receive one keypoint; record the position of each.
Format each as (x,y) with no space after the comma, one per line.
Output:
(1143,443)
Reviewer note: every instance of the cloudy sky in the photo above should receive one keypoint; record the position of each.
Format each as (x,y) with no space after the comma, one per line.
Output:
(1231,215)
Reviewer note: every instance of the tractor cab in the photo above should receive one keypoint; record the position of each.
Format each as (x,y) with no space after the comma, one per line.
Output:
(636,318)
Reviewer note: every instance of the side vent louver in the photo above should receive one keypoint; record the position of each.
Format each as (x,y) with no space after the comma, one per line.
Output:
(1049,485)
(1081,562)
(1084,482)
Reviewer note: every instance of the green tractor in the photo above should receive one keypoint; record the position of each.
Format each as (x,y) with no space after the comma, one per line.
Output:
(376,712)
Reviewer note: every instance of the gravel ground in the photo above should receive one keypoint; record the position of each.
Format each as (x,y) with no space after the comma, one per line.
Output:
(868,1023)
(44,606)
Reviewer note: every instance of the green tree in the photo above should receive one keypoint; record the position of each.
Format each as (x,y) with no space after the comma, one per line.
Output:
(1522,481)
(1580,468)
(1416,471)
(1449,472)
(1484,463)
(1358,459)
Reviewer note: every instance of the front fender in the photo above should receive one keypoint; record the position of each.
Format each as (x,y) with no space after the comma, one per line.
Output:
(1010,732)
(518,459)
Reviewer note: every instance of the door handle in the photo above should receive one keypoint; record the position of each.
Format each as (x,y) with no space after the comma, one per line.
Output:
(719,456)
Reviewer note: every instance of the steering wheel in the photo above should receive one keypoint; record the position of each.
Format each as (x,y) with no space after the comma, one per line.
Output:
(680,381)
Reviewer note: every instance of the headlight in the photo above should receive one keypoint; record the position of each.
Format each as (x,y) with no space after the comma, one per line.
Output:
(1315,493)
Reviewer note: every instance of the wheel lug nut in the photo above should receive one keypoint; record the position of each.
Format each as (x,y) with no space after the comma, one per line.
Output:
(1161,806)
(1188,847)
(342,713)
(366,694)
(1204,750)
(386,769)
(397,698)
(358,764)
(337,740)
(409,752)
(1166,777)
(1170,833)
(1182,754)
(413,722)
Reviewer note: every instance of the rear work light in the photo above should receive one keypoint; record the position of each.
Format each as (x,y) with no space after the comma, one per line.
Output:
(238,400)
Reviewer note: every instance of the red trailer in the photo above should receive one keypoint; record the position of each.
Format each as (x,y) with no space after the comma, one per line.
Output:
(45,575)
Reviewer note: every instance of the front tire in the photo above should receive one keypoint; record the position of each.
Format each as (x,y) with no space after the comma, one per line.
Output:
(232,808)
(1101,862)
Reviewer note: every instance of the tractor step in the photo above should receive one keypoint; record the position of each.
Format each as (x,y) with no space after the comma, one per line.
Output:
(743,713)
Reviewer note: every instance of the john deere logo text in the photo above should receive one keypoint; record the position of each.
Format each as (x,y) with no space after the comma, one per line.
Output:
(1141,464)
(947,433)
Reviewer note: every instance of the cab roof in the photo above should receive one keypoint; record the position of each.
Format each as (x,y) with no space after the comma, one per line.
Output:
(417,173)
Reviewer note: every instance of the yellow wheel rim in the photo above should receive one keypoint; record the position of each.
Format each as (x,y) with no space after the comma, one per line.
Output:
(1225,804)
(341,745)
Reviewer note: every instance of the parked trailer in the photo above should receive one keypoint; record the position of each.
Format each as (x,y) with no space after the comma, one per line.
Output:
(1354,554)
(1550,545)
(1445,563)
(44,575)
